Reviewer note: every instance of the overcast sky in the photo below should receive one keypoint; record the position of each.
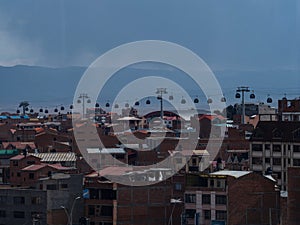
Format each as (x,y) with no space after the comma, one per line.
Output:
(231,34)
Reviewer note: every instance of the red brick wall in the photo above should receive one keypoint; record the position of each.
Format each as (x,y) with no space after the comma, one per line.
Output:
(250,199)
(293,201)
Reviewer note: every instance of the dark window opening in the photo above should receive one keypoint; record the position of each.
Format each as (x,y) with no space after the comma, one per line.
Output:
(207,214)
(19,200)
(19,214)
(190,198)
(221,199)
(205,199)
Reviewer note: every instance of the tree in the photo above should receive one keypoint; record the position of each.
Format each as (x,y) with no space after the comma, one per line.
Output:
(24,106)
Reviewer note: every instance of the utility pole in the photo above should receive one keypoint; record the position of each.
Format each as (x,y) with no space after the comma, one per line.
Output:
(83,97)
(160,92)
(243,89)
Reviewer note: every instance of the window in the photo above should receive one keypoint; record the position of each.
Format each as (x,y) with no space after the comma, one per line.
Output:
(276,148)
(94,193)
(190,198)
(221,200)
(256,160)
(107,210)
(91,210)
(267,146)
(212,183)
(18,174)
(15,163)
(31,176)
(267,160)
(19,200)
(51,187)
(194,161)
(205,199)
(220,183)
(108,194)
(64,186)
(36,200)
(296,162)
(3,199)
(178,187)
(2,213)
(19,214)
(257,147)
(190,213)
(296,148)
(277,161)
(221,215)
(207,214)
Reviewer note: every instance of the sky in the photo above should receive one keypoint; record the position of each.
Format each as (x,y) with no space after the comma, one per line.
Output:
(228,35)
(245,42)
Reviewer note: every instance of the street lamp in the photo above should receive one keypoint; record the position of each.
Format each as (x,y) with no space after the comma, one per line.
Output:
(66,213)
(173,201)
(70,216)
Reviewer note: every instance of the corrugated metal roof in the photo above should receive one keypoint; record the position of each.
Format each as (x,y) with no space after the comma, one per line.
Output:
(106,150)
(56,156)
(232,173)
(9,152)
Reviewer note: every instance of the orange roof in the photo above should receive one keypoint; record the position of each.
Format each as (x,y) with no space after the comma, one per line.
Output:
(39,129)
(19,145)
(212,117)
(36,167)
(19,157)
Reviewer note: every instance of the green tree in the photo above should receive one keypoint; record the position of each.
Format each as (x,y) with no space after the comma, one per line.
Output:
(24,105)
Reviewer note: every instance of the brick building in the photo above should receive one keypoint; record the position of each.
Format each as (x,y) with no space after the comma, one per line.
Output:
(25,170)
(234,197)
(289,110)
(111,203)
(293,196)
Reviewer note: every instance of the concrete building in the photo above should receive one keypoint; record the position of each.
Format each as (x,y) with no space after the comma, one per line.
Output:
(231,197)
(109,203)
(23,206)
(274,146)
(64,198)
(52,202)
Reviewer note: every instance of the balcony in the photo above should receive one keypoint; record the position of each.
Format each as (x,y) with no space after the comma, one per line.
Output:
(276,154)
(296,155)
(277,168)
(256,154)
(257,167)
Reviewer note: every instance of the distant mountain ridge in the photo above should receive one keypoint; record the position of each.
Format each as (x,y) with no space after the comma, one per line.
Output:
(44,86)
